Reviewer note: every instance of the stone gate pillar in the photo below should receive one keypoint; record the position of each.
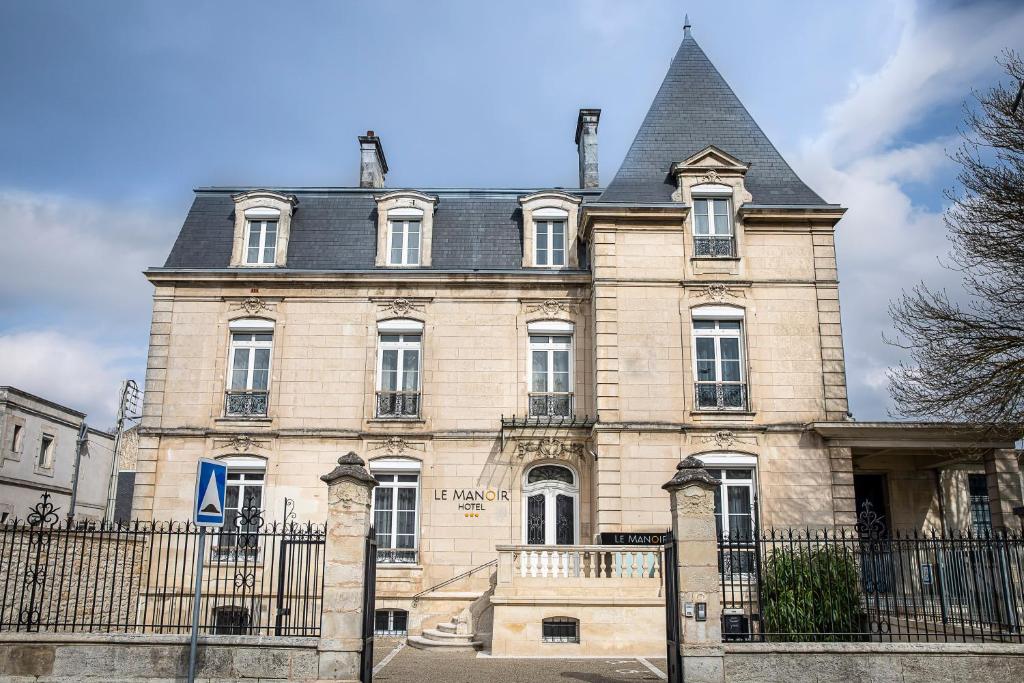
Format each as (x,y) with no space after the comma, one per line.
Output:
(692,499)
(349,487)
(1004,487)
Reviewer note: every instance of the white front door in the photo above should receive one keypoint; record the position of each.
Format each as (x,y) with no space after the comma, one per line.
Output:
(551,501)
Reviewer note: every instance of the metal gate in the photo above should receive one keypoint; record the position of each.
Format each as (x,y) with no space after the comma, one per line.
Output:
(369,597)
(672,624)
(299,586)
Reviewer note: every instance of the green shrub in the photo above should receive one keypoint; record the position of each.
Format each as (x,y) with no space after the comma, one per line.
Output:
(811,595)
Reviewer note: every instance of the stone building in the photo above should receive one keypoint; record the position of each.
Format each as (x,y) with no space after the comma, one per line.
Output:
(527,366)
(38,456)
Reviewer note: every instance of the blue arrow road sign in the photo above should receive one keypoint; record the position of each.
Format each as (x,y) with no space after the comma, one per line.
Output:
(211,487)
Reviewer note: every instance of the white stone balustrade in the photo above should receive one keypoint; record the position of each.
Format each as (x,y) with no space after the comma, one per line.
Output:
(599,562)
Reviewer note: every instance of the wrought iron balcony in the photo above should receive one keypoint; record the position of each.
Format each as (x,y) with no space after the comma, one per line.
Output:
(713,246)
(721,396)
(398,404)
(246,403)
(551,404)
(396,556)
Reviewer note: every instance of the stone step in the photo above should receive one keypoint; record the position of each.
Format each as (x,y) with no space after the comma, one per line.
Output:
(425,643)
(450,627)
(434,634)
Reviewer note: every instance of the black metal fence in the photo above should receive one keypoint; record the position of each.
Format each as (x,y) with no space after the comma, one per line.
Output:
(259,578)
(859,586)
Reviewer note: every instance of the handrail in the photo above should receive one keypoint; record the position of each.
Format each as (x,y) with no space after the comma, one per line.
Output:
(463,575)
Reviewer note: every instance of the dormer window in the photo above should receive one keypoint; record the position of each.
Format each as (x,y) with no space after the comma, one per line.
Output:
(712,226)
(549,238)
(404,237)
(405,221)
(262,227)
(549,230)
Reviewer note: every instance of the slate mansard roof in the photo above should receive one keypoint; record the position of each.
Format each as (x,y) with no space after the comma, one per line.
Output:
(481,230)
(336,229)
(696,108)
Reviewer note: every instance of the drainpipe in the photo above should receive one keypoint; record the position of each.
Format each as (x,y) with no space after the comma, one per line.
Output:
(83,432)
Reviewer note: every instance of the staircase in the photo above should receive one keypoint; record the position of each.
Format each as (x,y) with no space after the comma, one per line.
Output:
(444,637)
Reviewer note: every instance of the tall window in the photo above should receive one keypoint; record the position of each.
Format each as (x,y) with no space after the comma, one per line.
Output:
(261,242)
(249,377)
(395,504)
(712,227)
(981,506)
(549,242)
(550,500)
(398,373)
(46,452)
(243,509)
(550,375)
(734,516)
(404,242)
(16,438)
(719,364)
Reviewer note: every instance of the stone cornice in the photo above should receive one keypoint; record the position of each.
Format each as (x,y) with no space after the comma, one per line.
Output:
(655,216)
(248,277)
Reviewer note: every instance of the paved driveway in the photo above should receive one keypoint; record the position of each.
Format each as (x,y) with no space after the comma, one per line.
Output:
(398,664)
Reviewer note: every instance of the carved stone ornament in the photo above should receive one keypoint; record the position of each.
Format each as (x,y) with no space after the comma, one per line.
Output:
(716,291)
(550,448)
(691,471)
(395,445)
(400,306)
(725,438)
(711,177)
(350,466)
(241,443)
(552,307)
(251,305)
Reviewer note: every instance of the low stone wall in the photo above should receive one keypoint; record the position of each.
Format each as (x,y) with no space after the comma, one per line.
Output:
(56,658)
(904,662)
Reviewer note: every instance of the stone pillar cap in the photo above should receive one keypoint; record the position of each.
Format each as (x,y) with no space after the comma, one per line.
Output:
(691,471)
(352,466)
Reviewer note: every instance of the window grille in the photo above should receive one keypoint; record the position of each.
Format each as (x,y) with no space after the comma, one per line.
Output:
(561,630)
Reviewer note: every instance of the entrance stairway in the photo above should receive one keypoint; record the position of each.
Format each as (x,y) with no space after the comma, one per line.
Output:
(445,637)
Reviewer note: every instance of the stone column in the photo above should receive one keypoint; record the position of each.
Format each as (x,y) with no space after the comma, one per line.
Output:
(1002,472)
(349,487)
(692,498)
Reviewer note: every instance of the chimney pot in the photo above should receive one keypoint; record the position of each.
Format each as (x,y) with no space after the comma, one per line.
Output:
(372,164)
(586,145)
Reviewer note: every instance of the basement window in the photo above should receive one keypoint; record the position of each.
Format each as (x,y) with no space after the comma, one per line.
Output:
(561,630)
(390,622)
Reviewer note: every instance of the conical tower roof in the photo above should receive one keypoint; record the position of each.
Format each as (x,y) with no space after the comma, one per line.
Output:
(695,108)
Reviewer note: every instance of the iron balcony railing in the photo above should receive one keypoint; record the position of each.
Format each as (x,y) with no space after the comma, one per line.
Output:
(550,404)
(398,404)
(713,246)
(721,395)
(246,403)
(396,555)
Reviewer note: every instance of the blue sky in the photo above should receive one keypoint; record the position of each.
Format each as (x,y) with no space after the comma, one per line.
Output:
(115,110)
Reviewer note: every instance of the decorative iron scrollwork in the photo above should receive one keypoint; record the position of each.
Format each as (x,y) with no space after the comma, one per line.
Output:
(43,513)
(870,524)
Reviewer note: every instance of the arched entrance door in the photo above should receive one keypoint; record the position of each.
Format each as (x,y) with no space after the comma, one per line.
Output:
(551,505)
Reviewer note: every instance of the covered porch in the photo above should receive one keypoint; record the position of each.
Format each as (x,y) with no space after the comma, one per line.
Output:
(931,476)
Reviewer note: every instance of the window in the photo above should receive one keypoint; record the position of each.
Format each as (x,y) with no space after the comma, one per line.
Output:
(719,365)
(734,514)
(46,452)
(712,227)
(981,506)
(560,630)
(395,503)
(16,438)
(551,374)
(243,509)
(231,621)
(398,368)
(249,378)
(390,622)
(404,242)
(549,242)
(261,242)
(550,500)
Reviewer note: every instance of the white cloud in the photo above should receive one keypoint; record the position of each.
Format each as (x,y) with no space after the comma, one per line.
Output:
(76,372)
(887,242)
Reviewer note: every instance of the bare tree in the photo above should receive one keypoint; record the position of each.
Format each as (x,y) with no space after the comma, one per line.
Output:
(967,359)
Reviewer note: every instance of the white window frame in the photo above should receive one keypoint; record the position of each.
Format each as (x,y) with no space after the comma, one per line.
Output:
(250,221)
(717,315)
(541,217)
(551,491)
(708,201)
(255,326)
(398,466)
(400,219)
(241,465)
(401,346)
(549,330)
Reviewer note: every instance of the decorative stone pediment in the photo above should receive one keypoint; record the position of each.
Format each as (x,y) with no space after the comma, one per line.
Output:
(717,291)
(400,306)
(549,447)
(396,445)
(711,171)
(552,307)
(724,438)
(253,305)
(711,162)
(239,443)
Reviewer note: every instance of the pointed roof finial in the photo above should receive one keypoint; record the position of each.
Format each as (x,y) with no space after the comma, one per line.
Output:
(686,26)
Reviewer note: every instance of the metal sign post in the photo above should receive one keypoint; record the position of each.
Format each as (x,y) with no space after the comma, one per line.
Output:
(208,511)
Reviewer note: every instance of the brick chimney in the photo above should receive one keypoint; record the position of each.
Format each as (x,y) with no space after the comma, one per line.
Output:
(372,164)
(586,144)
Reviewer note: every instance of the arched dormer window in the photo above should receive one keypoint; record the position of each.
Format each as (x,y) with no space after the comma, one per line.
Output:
(719,362)
(405,222)
(262,228)
(549,230)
